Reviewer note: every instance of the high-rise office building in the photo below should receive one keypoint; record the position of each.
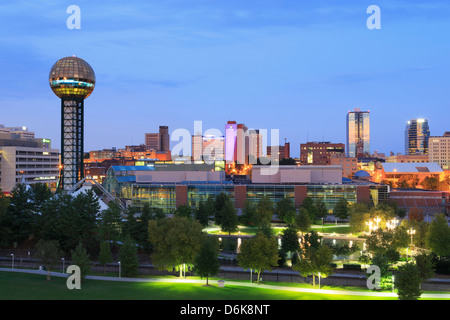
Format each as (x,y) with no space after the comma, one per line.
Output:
(358,133)
(282,152)
(255,141)
(242,145)
(208,148)
(26,159)
(159,141)
(439,150)
(165,140)
(319,153)
(417,134)
(230,141)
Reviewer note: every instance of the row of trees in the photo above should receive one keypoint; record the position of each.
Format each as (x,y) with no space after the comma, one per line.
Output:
(434,236)
(408,181)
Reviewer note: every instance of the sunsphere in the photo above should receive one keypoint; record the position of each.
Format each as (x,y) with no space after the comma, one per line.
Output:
(72,77)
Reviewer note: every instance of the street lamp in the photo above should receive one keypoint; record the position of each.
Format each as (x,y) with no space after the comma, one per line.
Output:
(12,264)
(369,223)
(411,232)
(377,220)
(63,264)
(319,280)
(119,269)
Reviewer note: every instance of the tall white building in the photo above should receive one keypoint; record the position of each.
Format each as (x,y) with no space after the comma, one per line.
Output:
(439,150)
(26,159)
(208,148)
(255,140)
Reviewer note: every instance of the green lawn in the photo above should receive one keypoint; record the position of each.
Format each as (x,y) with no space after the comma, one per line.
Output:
(21,286)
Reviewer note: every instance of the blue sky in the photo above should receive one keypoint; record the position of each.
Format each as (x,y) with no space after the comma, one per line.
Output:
(297,66)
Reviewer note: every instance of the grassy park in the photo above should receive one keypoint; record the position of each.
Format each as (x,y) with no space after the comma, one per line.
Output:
(22,286)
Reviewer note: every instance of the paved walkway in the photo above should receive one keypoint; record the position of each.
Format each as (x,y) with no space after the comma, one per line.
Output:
(235,283)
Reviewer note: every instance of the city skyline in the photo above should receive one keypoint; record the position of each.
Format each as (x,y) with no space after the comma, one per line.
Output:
(298,68)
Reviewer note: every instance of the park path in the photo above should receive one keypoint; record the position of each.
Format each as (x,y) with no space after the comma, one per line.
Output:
(236,283)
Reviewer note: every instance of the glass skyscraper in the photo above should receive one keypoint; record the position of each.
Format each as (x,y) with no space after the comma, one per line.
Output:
(358,133)
(417,134)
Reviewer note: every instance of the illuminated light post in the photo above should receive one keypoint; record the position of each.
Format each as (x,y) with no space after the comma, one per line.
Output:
(319,280)
(377,220)
(119,269)
(63,264)
(411,232)
(12,264)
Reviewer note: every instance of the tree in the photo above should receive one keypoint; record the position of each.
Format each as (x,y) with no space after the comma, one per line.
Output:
(249,213)
(386,242)
(384,212)
(289,240)
(308,204)
(130,223)
(341,209)
(157,213)
(5,222)
(128,258)
(359,215)
(207,261)
(176,242)
(384,262)
(416,214)
(321,209)
(303,220)
(49,252)
(80,258)
(40,194)
(317,262)
(343,249)
(202,214)
(71,220)
(425,266)
(183,211)
(430,183)
(110,223)
(438,237)
(20,219)
(229,219)
(407,281)
(264,210)
(408,181)
(141,229)
(219,203)
(105,255)
(258,253)
(444,185)
(310,241)
(286,211)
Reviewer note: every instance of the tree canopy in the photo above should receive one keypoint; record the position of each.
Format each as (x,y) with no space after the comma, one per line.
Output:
(176,242)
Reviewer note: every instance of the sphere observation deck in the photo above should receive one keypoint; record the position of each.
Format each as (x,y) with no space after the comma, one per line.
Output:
(72,77)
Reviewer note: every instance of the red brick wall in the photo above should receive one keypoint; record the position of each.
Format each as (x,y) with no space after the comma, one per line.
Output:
(181,195)
(240,196)
(362,194)
(299,195)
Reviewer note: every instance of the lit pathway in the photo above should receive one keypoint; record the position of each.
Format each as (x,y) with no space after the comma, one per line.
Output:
(236,283)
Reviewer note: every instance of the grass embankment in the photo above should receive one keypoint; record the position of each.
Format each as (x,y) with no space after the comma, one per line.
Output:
(21,286)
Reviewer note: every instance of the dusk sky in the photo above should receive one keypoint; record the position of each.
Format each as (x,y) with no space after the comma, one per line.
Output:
(297,66)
